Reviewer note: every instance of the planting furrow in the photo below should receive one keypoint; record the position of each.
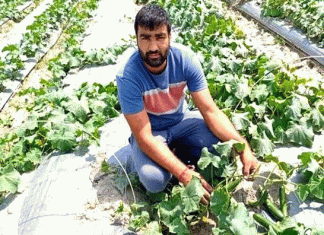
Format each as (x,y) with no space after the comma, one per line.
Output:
(19,9)
(15,35)
(33,45)
(285,30)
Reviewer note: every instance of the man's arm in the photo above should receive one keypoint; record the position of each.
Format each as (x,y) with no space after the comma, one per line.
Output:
(159,152)
(222,127)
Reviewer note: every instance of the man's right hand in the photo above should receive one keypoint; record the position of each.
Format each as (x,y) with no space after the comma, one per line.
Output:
(187,175)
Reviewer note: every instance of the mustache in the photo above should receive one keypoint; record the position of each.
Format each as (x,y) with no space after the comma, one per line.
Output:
(153,52)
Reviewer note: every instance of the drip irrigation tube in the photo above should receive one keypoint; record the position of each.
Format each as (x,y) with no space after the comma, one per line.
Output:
(280,27)
(20,8)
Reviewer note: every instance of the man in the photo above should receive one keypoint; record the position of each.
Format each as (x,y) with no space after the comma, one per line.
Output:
(151,90)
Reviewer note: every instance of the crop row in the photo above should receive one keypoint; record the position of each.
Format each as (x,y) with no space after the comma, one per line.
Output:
(34,40)
(59,121)
(308,15)
(8,8)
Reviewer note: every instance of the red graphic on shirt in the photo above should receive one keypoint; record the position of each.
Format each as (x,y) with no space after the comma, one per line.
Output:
(166,101)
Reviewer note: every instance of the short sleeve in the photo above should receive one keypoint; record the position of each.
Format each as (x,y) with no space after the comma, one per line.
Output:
(196,79)
(129,94)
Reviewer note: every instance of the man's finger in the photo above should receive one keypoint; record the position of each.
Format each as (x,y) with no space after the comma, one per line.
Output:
(204,201)
(206,194)
(206,185)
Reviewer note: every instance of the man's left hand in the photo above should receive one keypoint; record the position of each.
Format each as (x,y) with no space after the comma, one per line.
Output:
(249,161)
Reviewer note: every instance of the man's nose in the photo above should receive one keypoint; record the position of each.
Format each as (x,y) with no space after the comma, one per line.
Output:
(153,45)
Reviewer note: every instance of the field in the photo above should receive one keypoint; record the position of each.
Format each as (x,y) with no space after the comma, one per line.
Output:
(54,103)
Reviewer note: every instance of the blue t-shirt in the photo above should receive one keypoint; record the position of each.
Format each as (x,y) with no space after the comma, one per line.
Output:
(163,95)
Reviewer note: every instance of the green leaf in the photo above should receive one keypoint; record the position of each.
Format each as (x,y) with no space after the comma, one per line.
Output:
(208,158)
(281,136)
(316,187)
(317,119)
(220,201)
(172,216)
(228,171)
(217,65)
(286,167)
(236,220)
(35,156)
(303,192)
(239,146)
(224,149)
(262,145)
(241,89)
(63,139)
(139,221)
(192,195)
(307,157)
(301,101)
(266,127)
(9,179)
(301,135)
(293,112)
(260,93)
(241,121)
(78,111)
(256,110)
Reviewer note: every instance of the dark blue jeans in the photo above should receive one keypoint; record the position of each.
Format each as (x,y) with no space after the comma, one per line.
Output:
(187,138)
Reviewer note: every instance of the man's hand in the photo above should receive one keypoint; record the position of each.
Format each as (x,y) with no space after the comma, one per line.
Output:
(187,175)
(249,161)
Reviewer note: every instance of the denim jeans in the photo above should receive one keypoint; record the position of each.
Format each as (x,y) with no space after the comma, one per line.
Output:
(186,139)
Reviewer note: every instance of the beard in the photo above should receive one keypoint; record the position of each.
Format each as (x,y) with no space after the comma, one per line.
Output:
(155,62)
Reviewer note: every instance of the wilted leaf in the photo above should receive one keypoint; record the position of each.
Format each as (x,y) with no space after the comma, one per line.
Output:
(260,93)
(301,135)
(262,145)
(241,121)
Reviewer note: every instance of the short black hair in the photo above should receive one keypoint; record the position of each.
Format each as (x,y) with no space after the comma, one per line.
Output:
(151,16)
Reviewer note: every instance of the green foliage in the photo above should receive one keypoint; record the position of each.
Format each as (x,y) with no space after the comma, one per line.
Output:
(9,179)
(266,102)
(305,14)
(233,217)
(8,9)
(312,170)
(59,122)
(177,208)
(219,162)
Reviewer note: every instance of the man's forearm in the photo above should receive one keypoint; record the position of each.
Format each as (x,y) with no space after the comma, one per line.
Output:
(222,127)
(162,155)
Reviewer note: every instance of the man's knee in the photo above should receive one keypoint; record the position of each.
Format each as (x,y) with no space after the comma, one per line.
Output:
(153,179)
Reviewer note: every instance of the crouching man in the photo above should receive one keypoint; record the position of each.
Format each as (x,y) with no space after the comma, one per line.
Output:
(151,90)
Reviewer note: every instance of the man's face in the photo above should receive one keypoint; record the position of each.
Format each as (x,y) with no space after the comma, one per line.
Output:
(154,47)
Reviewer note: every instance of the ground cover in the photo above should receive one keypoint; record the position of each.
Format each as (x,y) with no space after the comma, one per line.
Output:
(306,15)
(9,9)
(88,109)
(188,210)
